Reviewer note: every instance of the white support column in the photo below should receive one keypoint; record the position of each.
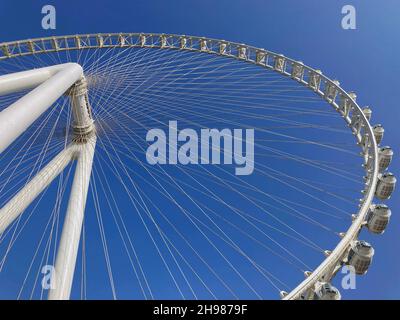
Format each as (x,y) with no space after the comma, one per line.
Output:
(50,83)
(15,119)
(33,188)
(70,238)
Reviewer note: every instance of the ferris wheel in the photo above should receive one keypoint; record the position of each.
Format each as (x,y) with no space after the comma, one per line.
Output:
(79,194)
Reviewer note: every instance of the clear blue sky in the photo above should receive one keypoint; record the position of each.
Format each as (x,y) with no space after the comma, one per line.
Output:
(365,60)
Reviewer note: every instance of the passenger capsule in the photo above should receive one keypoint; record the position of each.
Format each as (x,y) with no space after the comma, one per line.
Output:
(203,45)
(222,48)
(385,155)
(260,57)
(280,62)
(368,113)
(385,186)
(163,41)
(142,40)
(242,53)
(325,291)
(378,133)
(378,218)
(183,42)
(353,95)
(360,256)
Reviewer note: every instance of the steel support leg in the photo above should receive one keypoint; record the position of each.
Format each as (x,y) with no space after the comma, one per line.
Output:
(70,238)
(33,188)
(16,118)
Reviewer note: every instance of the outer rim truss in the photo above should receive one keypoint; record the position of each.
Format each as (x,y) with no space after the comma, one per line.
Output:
(330,90)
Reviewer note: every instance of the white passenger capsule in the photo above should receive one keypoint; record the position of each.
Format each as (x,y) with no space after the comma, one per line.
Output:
(360,256)
(385,186)
(163,41)
(378,218)
(385,155)
(325,291)
(280,62)
(242,53)
(222,48)
(378,133)
(353,95)
(183,42)
(142,40)
(368,113)
(203,45)
(260,57)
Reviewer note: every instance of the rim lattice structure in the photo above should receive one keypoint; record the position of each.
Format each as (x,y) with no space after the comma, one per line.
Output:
(343,102)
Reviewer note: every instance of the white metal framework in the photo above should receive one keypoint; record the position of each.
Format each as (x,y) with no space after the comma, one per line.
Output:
(51,82)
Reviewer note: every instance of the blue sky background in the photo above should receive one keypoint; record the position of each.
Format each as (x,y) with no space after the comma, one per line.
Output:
(365,60)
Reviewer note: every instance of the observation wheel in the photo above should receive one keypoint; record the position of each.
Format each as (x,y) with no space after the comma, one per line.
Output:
(158,166)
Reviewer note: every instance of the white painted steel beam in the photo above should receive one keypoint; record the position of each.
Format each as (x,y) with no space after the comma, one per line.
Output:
(33,188)
(69,244)
(50,83)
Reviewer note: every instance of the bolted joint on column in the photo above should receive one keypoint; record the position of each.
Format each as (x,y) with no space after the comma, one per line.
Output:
(83,124)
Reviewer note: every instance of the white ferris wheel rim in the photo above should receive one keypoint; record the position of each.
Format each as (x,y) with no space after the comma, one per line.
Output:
(329,90)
